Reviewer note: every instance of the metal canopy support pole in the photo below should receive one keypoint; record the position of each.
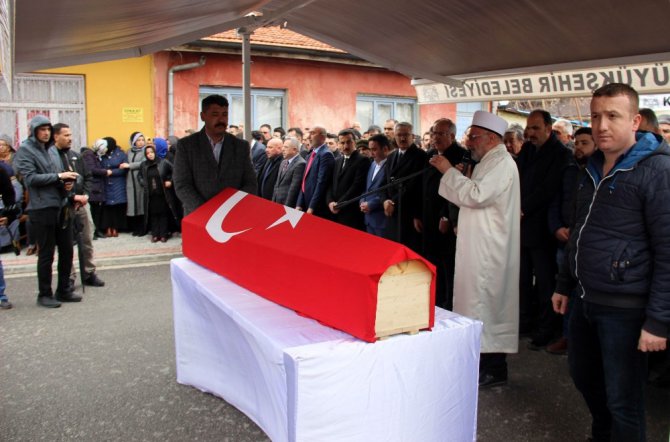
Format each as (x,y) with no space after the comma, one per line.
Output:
(246,80)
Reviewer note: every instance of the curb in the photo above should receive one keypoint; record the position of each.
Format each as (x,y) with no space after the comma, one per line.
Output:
(119,260)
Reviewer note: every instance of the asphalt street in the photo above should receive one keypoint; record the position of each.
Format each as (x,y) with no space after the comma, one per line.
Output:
(104,370)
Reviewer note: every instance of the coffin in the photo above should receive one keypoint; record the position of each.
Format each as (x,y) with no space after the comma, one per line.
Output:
(361,284)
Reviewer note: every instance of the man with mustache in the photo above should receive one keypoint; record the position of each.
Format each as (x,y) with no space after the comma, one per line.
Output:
(208,161)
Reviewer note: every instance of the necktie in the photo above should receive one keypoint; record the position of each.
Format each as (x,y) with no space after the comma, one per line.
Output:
(284,167)
(309,166)
(344,163)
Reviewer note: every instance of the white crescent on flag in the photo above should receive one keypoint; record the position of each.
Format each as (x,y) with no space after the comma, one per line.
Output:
(214,226)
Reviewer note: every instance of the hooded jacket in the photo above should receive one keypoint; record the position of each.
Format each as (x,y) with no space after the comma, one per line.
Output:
(618,253)
(39,166)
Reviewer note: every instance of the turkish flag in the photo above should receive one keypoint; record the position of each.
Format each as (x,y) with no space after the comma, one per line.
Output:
(316,267)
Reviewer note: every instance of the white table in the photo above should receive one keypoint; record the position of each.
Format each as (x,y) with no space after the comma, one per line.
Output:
(302,381)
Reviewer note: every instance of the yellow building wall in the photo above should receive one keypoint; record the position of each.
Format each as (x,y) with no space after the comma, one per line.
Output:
(119,98)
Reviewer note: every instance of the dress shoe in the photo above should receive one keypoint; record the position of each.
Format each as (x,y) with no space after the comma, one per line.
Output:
(559,347)
(69,296)
(115,233)
(94,281)
(154,239)
(487,380)
(163,239)
(97,235)
(48,301)
(5,304)
(31,250)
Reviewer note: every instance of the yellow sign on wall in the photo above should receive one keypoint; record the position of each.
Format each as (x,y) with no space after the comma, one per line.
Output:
(132,115)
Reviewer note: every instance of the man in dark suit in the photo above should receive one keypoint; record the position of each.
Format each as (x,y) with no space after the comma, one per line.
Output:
(439,216)
(268,176)
(541,166)
(258,156)
(371,206)
(348,182)
(290,175)
(404,161)
(317,177)
(208,161)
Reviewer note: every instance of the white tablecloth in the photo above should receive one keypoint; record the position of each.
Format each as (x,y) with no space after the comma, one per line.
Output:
(302,381)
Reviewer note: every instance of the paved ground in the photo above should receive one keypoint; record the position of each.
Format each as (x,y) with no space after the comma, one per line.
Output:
(103,370)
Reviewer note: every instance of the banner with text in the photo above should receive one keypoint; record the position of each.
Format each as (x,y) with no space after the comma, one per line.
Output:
(651,78)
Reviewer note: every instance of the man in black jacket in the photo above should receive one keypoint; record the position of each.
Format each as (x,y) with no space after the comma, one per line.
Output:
(81,222)
(349,174)
(267,177)
(541,164)
(406,160)
(439,216)
(622,276)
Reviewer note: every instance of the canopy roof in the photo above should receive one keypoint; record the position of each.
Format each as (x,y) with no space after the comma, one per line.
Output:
(439,40)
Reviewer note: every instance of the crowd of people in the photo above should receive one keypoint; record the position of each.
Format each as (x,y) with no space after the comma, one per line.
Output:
(127,191)
(503,215)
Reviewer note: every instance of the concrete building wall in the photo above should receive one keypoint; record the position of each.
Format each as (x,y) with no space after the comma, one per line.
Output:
(316,92)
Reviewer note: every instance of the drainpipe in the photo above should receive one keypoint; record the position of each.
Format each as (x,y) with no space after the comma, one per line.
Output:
(171,71)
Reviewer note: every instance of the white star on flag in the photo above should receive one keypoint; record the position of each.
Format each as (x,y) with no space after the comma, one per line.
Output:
(292,216)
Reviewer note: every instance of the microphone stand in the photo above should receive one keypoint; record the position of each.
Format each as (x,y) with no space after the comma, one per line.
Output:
(395,182)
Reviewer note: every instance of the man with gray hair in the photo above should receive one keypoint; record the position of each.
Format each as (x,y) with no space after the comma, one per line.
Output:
(290,174)
(563,130)
(406,160)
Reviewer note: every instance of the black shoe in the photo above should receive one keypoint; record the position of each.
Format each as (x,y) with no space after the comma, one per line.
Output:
(47,301)
(98,234)
(487,380)
(94,281)
(69,296)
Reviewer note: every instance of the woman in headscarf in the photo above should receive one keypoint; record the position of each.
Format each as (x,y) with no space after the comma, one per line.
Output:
(135,194)
(163,152)
(114,210)
(96,188)
(156,178)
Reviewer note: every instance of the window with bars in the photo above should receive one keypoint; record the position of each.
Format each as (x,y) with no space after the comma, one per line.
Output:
(61,98)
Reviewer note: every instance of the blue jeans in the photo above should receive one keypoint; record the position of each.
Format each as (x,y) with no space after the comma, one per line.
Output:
(3,286)
(608,369)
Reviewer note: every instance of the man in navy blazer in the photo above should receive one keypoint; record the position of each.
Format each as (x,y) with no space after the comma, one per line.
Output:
(258,156)
(317,177)
(371,206)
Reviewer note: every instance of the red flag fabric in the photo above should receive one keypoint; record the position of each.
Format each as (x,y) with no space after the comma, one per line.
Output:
(316,267)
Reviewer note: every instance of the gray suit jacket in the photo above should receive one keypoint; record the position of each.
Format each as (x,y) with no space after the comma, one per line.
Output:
(288,183)
(197,177)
